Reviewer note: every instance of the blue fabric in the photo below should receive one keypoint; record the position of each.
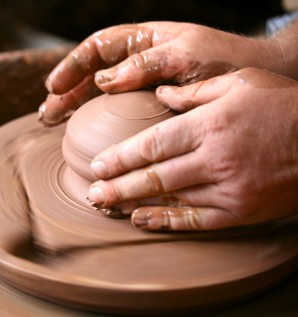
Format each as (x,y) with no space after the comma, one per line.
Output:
(280,22)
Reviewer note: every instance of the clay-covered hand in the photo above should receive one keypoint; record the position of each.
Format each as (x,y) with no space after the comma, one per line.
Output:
(230,158)
(129,57)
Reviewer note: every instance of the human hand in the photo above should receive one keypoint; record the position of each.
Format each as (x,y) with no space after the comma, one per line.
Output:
(129,57)
(230,159)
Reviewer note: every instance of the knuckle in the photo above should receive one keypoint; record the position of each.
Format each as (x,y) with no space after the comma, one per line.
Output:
(180,218)
(114,195)
(151,148)
(137,61)
(239,197)
(192,219)
(223,166)
(119,164)
(221,121)
(154,182)
(151,65)
(222,141)
(194,90)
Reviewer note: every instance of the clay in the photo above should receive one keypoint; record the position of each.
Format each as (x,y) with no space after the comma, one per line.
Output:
(107,120)
(54,245)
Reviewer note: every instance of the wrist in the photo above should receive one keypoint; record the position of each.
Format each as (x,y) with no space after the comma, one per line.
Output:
(277,53)
(284,45)
(287,40)
(258,52)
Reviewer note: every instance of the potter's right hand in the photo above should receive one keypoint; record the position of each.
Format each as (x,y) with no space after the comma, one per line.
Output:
(128,57)
(229,159)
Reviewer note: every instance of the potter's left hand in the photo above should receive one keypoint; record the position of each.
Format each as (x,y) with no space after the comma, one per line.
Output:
(230,159)
(131,56)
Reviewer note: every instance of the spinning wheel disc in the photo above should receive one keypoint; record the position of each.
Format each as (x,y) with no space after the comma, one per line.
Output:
(107,265)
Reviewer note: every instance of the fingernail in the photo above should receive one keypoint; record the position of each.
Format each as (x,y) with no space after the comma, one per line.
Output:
(141,218)
(100,169)
(105,76)
(166,90)
(96,196)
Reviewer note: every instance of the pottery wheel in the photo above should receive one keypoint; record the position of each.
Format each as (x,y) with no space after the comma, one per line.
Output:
(55,246)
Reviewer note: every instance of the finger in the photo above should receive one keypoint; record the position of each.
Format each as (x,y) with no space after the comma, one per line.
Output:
(168,62)
(198,195)
(58,108)
(104,48)
(183,99)
(182,218)
(155,65)
(152,145)
(167,176)
(127,187)
(126,208)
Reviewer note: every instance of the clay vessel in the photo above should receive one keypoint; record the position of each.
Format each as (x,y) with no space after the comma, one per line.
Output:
(105,121)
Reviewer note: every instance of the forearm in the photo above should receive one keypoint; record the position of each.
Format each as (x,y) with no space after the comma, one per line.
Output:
(279,53)
(288,42)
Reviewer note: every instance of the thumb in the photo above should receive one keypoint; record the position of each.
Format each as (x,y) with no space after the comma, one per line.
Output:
(185,98)
(183,218)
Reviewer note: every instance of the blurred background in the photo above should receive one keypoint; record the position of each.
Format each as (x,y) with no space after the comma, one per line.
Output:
(75,20)
(35,35)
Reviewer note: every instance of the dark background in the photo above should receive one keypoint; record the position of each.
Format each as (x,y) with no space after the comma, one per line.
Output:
(33,31)
(75,20)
